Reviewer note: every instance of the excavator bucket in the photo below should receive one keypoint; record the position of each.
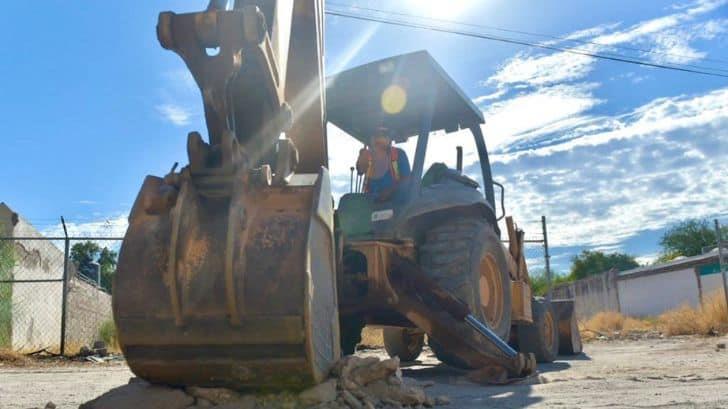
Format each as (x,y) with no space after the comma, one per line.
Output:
(237,293)
(226,276)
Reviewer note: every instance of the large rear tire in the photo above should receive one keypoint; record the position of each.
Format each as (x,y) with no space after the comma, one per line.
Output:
(404,343)
(466,258)
(542,336)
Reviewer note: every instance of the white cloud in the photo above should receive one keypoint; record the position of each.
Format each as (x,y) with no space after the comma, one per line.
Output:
(180,97)
(658,116)
(542,70)
(113,226)
(658,164)
(647,259)
(509,120)
(495,95)
(182,80)
(175,114)
(674,45)
(591,32)
(668,39)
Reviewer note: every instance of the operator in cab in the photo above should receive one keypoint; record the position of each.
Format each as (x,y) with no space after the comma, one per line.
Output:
(385,167)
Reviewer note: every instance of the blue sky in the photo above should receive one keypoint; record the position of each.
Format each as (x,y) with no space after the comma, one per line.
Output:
(611,153)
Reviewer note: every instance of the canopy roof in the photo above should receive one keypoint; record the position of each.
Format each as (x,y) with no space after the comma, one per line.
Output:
(396,93)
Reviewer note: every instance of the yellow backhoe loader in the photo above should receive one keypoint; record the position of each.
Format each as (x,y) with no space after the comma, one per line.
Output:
(237,271)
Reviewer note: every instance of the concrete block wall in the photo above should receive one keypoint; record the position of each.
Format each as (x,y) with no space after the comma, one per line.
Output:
(651,295)
(88,309)
(591,295)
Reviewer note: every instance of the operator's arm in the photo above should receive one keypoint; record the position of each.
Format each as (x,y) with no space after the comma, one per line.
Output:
(362,164)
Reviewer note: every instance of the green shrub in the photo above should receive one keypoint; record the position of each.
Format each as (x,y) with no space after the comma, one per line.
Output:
(107,333)
(7,262)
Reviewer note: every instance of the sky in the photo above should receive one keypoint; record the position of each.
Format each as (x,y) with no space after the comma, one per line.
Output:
(611,153)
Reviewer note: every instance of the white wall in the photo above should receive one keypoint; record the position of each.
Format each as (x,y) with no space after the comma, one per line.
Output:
(36,307)
(711,283)
(651,295)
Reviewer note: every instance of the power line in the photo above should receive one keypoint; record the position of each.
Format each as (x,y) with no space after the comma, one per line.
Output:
(524,43)
(553,37)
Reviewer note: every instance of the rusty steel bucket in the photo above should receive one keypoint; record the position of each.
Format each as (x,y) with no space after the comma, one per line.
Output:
(235,291)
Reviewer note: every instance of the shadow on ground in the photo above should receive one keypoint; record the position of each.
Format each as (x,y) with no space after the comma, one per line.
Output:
(452,382)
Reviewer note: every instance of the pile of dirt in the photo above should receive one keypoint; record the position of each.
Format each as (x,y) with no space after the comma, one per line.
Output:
(355,382)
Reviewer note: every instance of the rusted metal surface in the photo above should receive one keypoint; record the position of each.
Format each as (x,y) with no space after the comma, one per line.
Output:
(172,298)
(521,312)
(226,276)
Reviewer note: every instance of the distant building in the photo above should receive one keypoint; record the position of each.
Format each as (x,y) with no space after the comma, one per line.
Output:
(31,312)
(649,290)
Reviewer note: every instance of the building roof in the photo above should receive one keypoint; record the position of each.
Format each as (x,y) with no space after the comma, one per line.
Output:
(677,264)
(394,93)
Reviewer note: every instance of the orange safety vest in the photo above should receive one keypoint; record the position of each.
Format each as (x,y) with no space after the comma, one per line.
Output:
(393,168)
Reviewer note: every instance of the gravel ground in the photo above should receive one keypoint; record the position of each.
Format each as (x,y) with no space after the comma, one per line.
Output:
(681,372)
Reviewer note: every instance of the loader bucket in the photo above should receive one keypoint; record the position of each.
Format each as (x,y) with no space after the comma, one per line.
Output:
(235,292)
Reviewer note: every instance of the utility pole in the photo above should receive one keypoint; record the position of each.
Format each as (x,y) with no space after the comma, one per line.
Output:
(549,292)
(64,295)
(720,261)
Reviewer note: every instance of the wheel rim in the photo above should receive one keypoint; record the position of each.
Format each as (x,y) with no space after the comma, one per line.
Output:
(491,291)
(548,329)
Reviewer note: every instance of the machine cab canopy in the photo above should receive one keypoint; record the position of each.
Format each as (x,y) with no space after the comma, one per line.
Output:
(406,94)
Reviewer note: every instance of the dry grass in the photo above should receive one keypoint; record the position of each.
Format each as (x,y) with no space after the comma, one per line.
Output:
(609,322)
(711,319)
(12,358)
(372,337)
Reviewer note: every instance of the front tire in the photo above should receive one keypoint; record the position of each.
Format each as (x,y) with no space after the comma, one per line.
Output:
(569,336)
(542,336)
(466,258)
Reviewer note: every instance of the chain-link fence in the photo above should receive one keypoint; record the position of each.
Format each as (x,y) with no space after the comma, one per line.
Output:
(53,291)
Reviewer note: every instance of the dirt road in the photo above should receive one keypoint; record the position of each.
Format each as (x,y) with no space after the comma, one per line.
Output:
(674,373)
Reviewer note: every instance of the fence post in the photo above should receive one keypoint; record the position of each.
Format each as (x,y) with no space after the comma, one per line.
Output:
(547,257)
(66,256)
(720,260)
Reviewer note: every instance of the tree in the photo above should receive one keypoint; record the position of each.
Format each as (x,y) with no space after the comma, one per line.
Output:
(592,262)
(688,238)
(107,261)
(86,253)
(539,281)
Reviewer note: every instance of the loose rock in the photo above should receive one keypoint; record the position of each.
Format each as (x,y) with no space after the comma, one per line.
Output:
(322,393)
(355,383)
(363,375)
